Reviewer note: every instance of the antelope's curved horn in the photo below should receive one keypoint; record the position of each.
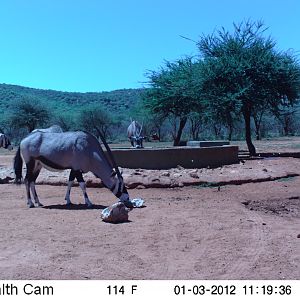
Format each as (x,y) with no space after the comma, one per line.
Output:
(112,159)
(141,129)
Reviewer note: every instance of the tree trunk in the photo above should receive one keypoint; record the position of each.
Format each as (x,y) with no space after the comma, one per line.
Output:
(159,133)
(286,125)
(230,130)
(230,126)
(195,128)
(247,118)
(182,123)
(257,123)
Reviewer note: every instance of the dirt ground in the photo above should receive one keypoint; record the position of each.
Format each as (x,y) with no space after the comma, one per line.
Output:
(235,222)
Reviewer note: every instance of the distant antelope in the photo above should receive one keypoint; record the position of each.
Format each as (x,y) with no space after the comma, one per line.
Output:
(134,132)
(5,142)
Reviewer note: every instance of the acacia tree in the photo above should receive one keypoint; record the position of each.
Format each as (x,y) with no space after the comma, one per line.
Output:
(242,71)
(94,119)
(257,114)
(196,120)
(28,113)
(65,121)
(286,117)
(172,92)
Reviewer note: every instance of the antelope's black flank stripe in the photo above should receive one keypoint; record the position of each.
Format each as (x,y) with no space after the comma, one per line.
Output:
(51,164)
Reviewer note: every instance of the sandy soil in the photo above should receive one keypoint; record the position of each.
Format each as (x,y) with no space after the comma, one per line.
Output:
(207,224)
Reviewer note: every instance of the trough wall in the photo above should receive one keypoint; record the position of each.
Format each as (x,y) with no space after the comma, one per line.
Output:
(166,158)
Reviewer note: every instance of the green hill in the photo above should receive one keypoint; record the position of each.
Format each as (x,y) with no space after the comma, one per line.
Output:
(117,102)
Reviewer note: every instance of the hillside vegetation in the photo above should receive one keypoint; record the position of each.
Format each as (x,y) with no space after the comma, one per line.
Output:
(118,102)
(73,110)
(24,109)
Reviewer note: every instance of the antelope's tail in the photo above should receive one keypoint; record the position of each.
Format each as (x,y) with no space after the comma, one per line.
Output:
(18,165)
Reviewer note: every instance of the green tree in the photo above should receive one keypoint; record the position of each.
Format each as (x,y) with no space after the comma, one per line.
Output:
(287,119)
(197,120)
(65,120)
(93,118)
(29,113)
(242,72)
(173,92)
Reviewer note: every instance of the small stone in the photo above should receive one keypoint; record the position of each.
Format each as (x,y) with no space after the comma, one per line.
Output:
(155,180)
(245,202)
(167,174)
(298,236)
(264,223)
(194,174)
(140,187)
(176,175)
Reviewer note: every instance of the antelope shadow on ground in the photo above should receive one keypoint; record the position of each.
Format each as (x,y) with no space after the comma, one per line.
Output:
(74,206)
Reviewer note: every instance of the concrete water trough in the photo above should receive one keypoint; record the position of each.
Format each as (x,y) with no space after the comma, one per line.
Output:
(166,158)
(207,143)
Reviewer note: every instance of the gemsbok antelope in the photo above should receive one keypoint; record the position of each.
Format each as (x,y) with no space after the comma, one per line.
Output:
(5,142)
(78,151)
(134,132)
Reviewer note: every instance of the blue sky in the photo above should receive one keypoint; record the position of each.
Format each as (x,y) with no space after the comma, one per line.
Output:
(103,45)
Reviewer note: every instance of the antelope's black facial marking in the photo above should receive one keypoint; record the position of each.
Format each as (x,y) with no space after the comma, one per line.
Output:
(121,190)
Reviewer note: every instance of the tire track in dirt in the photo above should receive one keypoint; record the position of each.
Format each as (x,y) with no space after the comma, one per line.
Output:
(239,268)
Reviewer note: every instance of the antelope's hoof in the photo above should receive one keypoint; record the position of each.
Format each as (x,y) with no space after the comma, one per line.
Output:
(39,204)
(30,205)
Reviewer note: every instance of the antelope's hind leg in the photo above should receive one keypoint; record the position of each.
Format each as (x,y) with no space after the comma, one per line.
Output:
(29,201)
(36,172)
(32,171)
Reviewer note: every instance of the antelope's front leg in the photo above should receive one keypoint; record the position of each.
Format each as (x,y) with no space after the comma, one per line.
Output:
(72,177)
(87,201)
(78,175)
(67,198)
